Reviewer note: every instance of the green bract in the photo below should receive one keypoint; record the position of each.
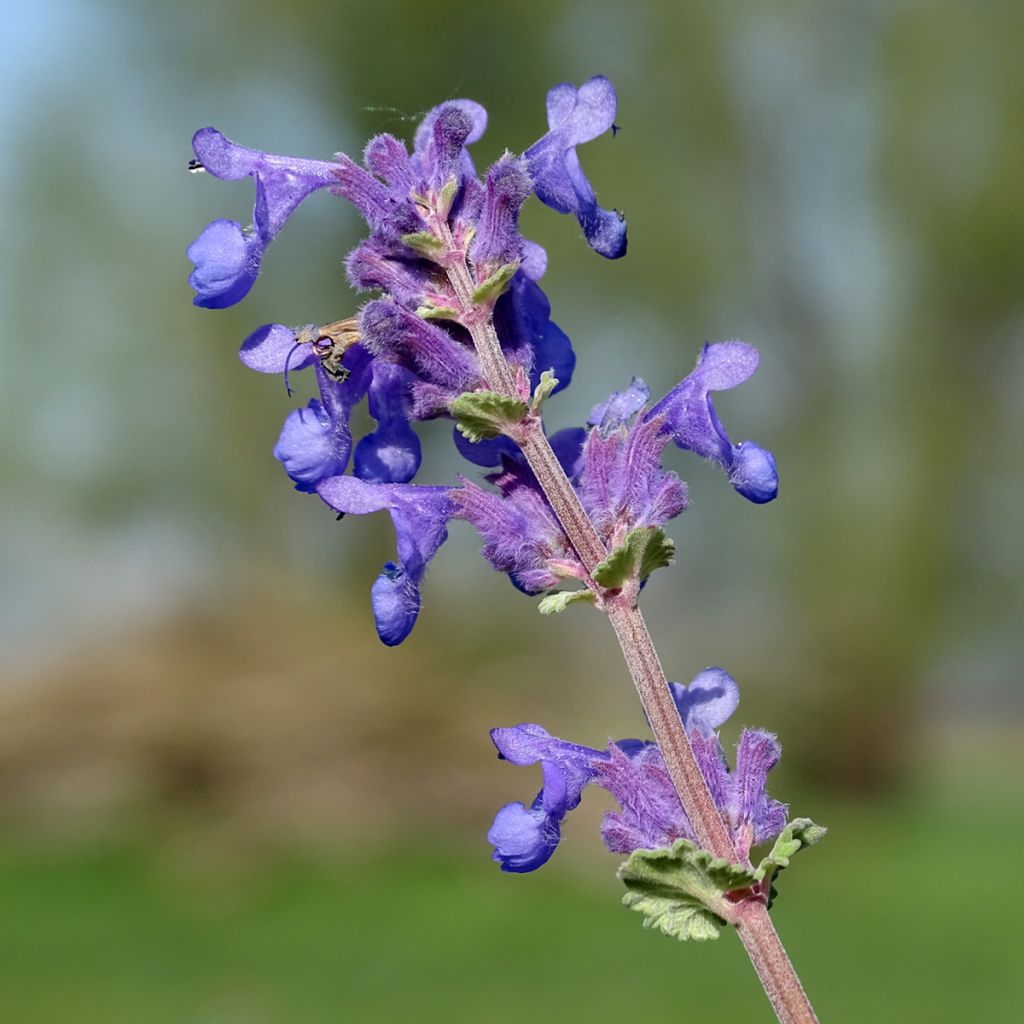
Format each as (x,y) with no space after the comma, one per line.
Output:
(484,414)
(644,549)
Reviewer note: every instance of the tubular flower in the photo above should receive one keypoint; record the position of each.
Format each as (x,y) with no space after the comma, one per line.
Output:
(576,116)
(420,516)
(316,441)
(227,256)
(689,417)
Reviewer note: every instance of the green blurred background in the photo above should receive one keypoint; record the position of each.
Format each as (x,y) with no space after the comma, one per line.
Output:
(223,802)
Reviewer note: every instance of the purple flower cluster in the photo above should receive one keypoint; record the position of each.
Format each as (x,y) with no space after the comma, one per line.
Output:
(650,814)
(410,353)
(615,465)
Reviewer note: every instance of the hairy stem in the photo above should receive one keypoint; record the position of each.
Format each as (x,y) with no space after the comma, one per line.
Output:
(773,967)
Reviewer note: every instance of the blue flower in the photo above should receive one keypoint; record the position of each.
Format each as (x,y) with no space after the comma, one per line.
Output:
(443,365)
(420,516)
(708,702)
(576,116)
(391,454)
(620,407)
(524,838)
(316,441)
(688,414)
(227,256)
(528,335)
(274,348)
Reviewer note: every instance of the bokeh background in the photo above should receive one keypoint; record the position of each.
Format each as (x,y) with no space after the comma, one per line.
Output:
(222,800)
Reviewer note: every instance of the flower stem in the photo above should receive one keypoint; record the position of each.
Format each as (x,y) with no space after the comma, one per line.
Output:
(773,967)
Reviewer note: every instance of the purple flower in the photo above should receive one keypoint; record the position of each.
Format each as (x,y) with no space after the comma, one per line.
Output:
(391,454)
(315,442)
(439,143)
(497,240)
(708,702)
(621,482)
(375,265)
(227,257)
(524,838)
(444,365)
(620,407)
(420,516)
(521,534)
(576,116)
(528,335)
(274,348)
(618,476)
(650,815)
(689,416)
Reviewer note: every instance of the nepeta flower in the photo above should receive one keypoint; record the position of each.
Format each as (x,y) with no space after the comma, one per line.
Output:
(497,240)
(522,536)
(420,516)
(650,814)
(530,338)
(395,193)
(616,468)
(576,116)
(316,441)
(689,415)
(391,454)
(228,256)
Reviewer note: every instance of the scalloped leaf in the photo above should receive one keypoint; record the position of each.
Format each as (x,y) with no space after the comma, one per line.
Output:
(484,414)
(642,551)
(681,891)
(798,834)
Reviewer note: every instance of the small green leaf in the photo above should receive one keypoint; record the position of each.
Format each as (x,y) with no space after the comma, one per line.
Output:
(659,552)
(800,832)
(642,551)
(681,891)
(424,243)
(547,383)
(558,602)
(437,313)
(490,291)
(447,197)
(615,569)
(485,414)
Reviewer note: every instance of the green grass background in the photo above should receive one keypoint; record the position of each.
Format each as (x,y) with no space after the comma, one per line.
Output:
(906,912)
